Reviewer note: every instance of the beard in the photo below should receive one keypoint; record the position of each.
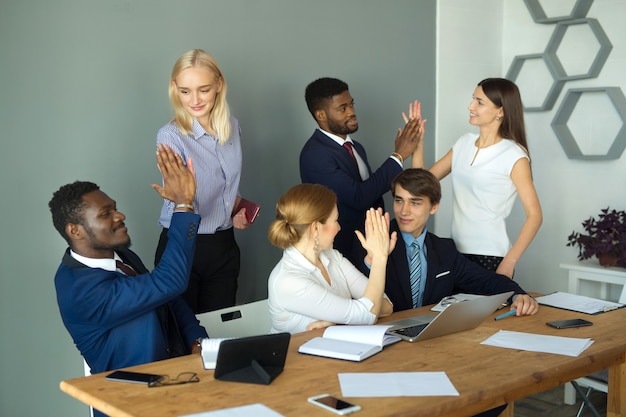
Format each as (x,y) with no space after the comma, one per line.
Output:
(97,245)
(339,129)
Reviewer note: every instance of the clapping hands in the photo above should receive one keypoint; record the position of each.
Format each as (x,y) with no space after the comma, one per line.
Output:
(179,180)
(377,241)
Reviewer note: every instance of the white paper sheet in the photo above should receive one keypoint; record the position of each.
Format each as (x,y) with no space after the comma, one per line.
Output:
(578,303)
(396,384)
(256,410)
(569,346)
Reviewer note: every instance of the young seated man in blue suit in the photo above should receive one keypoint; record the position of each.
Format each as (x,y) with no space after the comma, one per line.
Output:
(118,313)
(423,268)
(437,269)
(332,158)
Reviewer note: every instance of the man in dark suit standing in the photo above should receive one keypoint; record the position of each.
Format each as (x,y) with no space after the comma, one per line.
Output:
(331,158)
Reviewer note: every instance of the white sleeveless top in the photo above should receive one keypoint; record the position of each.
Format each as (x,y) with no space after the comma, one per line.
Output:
(483,194)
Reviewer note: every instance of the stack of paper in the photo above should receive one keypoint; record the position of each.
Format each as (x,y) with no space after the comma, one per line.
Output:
(578,303)
(569,346)
(396,384)
(257,410)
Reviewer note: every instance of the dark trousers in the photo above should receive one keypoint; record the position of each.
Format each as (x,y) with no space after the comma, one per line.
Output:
(214,273)
(488,262)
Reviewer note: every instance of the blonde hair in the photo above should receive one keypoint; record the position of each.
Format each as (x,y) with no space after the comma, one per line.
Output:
(220,115)
(297,209)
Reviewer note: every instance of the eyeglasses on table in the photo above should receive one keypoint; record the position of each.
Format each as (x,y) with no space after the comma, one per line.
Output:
(182,378)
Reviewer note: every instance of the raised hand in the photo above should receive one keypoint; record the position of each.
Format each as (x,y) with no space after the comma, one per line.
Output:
(179,180)
(376,240)
(393,239)
(415,112)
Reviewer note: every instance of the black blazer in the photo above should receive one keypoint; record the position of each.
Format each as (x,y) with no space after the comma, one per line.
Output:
(323,161)
(448,272)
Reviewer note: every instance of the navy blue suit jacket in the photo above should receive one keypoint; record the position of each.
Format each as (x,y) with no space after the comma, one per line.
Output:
(448,272)
(118,321)
(323,161)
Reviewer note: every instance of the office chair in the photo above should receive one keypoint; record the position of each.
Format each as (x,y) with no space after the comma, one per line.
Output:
(251,319)
(597,381)
(87,373)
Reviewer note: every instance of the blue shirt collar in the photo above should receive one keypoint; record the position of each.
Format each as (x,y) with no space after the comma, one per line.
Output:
(408,238)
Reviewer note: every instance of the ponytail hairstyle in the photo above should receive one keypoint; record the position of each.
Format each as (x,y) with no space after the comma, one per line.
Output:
(297,209)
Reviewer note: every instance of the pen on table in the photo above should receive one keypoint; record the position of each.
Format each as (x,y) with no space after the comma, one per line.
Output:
(507,314)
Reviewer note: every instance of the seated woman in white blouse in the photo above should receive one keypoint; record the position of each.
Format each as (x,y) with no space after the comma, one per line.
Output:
(314,286)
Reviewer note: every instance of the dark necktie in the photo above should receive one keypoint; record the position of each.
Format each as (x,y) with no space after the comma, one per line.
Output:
(125,269)
(348,146)
(415,268)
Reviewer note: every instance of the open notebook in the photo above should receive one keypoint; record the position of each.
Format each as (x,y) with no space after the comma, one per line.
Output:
(349,342)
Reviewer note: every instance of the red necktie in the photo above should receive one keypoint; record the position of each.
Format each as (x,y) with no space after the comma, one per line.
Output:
(348,146)
(125,269)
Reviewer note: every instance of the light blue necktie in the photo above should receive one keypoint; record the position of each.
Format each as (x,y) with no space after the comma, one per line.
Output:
(415,269)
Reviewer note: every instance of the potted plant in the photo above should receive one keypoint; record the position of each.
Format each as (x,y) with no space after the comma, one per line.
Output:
(605,238)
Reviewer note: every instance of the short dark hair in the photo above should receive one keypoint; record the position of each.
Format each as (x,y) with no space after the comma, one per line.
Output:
(67,205)
(419,182)
(322,90)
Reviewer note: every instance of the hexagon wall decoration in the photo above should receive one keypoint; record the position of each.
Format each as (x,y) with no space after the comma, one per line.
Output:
(597,63)
(567,139)
(538,14)
(553,92)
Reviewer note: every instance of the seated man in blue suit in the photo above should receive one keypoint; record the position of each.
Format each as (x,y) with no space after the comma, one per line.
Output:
(118,313)
(423,268)
(437,269)
(332,158)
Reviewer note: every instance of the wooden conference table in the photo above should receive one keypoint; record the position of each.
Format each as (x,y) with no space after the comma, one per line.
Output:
(484,376)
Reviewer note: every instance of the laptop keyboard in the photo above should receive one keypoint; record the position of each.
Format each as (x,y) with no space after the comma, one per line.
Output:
(411,331)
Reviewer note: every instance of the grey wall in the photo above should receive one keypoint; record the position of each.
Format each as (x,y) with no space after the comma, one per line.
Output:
(83,86)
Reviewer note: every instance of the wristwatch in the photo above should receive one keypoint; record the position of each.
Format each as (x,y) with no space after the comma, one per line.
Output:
(197,343)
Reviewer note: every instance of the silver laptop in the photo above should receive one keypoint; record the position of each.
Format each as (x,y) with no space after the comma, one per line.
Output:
(455,318)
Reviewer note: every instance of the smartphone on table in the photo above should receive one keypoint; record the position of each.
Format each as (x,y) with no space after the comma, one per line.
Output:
(334,404)
(134,377)
(568,324)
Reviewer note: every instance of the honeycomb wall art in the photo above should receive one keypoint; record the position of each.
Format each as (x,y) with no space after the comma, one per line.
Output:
(545,76)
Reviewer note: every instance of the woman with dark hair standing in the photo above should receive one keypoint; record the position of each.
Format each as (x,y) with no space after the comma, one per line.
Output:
(488,170)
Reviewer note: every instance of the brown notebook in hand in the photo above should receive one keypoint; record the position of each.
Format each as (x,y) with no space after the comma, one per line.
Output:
(252,209)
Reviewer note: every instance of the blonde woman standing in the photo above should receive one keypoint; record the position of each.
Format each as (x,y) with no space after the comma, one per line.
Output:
(204,130)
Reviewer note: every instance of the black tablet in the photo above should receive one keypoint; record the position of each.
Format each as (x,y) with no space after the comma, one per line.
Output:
(253,359)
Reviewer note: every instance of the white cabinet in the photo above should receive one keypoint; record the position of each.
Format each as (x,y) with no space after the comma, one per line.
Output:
(604,277)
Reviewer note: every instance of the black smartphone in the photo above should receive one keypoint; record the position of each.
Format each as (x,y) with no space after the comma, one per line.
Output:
(567,324)
(134,377)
